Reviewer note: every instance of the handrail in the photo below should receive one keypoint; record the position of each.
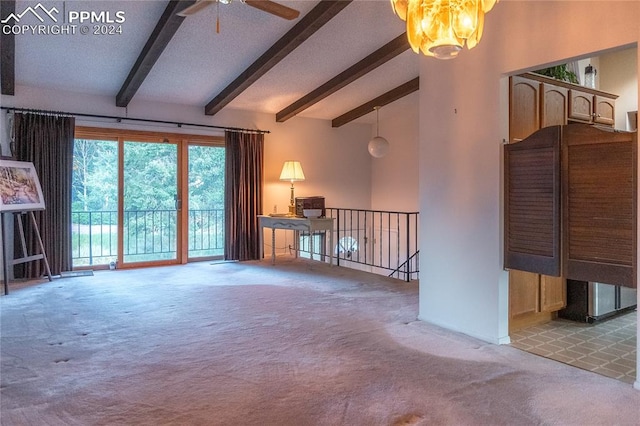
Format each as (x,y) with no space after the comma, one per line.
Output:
(149,232)
(376,240)
(406,262)
(379,241)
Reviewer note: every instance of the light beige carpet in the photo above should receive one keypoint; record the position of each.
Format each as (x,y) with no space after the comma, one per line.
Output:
(253,344)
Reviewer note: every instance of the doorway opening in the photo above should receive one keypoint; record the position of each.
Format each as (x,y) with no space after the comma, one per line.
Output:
(539,304)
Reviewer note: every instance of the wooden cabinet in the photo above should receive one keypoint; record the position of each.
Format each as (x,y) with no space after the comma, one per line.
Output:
(555,104)
(524,111)
(591,108)
(537,101)
(535,293)
(605,110)
(581,106)
(534,298)
(553,293)
(533,193)
(523,297)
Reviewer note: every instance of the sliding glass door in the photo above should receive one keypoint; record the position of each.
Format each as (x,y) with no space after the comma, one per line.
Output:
(94,202)
(144,198)
(150,201)
(206,201)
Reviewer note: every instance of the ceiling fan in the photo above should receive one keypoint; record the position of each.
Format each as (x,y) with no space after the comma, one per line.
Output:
(268,6)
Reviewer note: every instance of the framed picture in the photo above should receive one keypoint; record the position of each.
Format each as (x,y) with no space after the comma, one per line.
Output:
(20,188)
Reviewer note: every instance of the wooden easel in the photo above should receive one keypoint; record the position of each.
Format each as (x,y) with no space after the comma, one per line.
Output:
(23,241)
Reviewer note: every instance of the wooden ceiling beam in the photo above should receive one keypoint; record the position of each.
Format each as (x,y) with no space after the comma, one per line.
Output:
(309,24)
(382,100)
(8,55)
(371,62)
(162,34)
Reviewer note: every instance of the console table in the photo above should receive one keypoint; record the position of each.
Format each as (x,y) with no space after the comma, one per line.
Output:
(296,224)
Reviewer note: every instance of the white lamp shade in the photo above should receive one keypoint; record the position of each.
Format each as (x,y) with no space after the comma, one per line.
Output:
(292,171)
(378,147)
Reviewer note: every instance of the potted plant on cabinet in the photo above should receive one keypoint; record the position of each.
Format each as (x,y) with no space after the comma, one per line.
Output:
(559,72)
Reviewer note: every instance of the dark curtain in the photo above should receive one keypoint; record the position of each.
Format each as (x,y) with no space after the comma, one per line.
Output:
(244,162)
(47,142)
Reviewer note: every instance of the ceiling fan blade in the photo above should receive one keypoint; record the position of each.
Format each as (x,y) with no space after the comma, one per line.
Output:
(274,8)
(196,7)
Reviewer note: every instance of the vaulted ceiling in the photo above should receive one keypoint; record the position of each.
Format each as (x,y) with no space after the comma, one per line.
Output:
(335,61)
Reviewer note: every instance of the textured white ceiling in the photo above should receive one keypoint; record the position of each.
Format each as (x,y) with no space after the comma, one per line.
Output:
(95,64)
(198,63)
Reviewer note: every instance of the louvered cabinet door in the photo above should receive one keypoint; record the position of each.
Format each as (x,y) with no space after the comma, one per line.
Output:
(599,195)
(532,203)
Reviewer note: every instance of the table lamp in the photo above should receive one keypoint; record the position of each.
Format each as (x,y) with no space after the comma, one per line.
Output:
(292,171)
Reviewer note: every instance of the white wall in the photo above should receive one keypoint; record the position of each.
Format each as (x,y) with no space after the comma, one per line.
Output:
(335,162)
(394,178)
(619,75)
(463,121)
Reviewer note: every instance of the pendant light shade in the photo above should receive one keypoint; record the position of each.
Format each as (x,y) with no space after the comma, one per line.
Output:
(378,146)
(441,28)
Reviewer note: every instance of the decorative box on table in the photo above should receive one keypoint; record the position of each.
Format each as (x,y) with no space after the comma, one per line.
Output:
(307,203)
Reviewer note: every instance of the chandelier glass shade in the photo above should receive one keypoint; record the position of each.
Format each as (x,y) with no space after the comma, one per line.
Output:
(441,28)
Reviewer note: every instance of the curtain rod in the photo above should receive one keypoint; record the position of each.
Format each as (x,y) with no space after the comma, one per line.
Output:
(120,119)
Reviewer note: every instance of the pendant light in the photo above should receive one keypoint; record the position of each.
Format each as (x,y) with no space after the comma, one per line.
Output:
(378,146)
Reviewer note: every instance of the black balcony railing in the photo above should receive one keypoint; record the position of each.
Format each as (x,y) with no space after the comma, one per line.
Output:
(378,241)
(206,233)
(94,237)
(148,234)
(383,242)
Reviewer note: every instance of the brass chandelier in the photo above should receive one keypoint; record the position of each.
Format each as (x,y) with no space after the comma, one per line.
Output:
(440,28)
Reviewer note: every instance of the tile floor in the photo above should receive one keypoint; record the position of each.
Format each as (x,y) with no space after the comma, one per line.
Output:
(607,347)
